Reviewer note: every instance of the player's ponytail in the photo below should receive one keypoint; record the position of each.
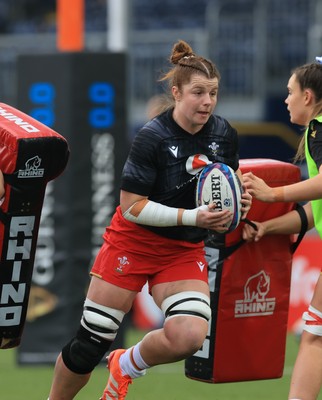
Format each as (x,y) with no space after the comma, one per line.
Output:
(180,50)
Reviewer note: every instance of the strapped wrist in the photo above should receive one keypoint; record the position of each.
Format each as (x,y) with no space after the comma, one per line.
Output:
(189,217)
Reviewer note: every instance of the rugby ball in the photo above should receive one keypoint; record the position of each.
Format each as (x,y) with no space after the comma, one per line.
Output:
(219,184)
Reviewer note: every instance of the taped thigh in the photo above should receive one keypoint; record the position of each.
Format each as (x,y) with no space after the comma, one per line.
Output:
(189,303)
(101,320)
(313,321)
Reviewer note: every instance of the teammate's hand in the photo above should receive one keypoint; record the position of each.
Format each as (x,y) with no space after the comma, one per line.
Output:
(250,234)
(246,202)
(214,220)
(257,187)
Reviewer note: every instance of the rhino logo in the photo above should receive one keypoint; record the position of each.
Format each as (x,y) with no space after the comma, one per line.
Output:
(257,287)
(32,169)
(255,303)
(33,163)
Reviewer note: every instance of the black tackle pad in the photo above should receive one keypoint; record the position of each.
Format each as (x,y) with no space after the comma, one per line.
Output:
(31,154)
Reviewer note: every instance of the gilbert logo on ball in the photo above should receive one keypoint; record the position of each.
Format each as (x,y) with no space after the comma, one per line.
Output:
(218,184)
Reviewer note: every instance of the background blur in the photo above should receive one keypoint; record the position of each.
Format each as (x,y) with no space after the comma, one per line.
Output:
(255,44)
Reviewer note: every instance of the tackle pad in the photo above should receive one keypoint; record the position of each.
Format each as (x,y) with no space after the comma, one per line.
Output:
(250,289)
(31,154)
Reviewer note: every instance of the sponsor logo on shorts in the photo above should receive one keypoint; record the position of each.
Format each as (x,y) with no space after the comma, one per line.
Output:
(123,261)
(255,302)
(32,169)
(201,265)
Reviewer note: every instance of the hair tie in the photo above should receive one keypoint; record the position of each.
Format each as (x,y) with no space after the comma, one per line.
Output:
(319,59)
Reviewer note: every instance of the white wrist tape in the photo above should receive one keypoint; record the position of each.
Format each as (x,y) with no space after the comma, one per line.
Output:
(147,212)
(189,217)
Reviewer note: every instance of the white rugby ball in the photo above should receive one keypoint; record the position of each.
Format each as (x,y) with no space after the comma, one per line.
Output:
(219,184)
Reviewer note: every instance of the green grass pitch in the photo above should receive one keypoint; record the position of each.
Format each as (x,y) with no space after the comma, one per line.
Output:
(162,382)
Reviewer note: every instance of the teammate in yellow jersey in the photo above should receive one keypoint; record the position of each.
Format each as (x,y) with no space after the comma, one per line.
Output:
(304,103)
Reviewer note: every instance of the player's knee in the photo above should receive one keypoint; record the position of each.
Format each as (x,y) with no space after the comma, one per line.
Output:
(191,341)
(188,335)
(196,337)
(99,326)
(185,337)
(313,321)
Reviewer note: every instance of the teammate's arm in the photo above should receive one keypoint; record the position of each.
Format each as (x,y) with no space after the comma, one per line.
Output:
(288,223)
(308,189)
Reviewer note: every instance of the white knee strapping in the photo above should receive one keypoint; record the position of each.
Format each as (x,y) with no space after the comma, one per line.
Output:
(313,321)
(101,320)
(194,304)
